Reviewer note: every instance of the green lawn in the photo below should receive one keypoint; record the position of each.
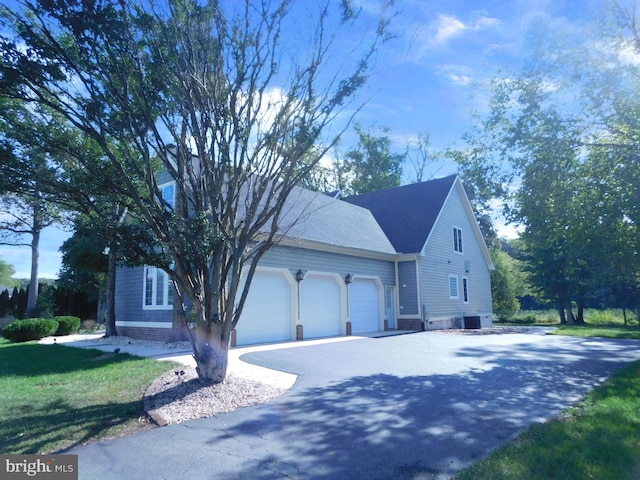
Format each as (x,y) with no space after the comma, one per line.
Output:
(53,397)
(598,438)
(607,331)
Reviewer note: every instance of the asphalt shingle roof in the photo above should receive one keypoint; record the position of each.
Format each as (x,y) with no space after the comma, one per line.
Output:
(317,217)
(407,214)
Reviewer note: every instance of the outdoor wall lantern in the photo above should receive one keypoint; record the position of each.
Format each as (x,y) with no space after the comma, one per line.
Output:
(299,275)
(348,279)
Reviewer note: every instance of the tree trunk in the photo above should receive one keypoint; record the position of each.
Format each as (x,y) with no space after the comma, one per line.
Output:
(211,352)
(580,319)
(110,310)
(212,361)
(570,318)
(32,298)
(563,318)
(101,313)
(179,327)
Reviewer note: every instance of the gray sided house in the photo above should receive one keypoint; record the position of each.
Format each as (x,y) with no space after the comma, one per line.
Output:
(408,258)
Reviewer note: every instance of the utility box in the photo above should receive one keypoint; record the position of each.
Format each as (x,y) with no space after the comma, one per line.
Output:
(472,323)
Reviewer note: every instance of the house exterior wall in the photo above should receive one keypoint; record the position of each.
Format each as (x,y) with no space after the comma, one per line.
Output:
(440,261)
(135,321)
(318,261)
(131,319)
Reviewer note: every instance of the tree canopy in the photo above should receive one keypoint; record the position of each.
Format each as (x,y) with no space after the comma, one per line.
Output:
(214,96)
(560,147)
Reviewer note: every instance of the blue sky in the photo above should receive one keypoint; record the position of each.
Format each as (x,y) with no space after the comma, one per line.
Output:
(431,77)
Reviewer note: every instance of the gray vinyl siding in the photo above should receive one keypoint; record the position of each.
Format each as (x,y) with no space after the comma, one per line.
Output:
(129,284)
(313,260)
(408,288)
(440,260)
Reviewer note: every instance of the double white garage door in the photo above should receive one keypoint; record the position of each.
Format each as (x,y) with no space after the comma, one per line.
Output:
(271,308)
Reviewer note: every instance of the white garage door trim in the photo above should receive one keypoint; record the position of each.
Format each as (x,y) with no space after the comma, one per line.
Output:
(323,306)
(269,312)
(365,305)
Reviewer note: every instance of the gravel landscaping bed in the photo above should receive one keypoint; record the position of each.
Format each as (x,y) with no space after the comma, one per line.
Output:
(179,395)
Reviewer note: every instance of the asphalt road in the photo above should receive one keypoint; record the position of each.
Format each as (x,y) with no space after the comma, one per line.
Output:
(419,406)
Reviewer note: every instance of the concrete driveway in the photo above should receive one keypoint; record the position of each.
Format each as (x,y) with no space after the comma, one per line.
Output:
(417,406)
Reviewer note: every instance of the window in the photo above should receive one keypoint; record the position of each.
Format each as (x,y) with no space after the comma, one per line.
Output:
(158,290)
(168,192)
(457,240)
(453,287)
(465,290)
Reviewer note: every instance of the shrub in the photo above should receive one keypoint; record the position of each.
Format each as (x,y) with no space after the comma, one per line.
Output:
(89,325)
(30,329)
(67,325)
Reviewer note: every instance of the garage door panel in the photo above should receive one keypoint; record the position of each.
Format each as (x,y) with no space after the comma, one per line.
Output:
(364,306)
(266,315)
(321,306)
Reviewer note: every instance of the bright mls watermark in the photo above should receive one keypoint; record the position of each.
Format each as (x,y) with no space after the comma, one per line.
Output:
(51,467)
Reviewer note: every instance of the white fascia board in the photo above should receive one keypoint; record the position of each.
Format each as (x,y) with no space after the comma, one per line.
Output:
(325,247)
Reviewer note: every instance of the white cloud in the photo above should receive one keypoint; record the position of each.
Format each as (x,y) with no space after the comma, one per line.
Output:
(458,75)
(447,27)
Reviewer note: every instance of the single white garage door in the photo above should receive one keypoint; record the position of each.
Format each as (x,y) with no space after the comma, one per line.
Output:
(364,306)
(320,306)
(266,316)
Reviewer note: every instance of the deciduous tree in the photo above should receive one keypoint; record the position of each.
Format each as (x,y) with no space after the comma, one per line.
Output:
(213,95)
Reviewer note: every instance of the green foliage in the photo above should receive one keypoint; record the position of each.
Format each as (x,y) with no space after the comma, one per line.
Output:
(573,150)
(535,317)
(67,325)
(507,283)
(46,306)
(30,329)
(372,164)
(7,271)
(5,303)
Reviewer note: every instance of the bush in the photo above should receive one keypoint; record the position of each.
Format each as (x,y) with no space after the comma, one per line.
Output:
(30,329)
(67,325)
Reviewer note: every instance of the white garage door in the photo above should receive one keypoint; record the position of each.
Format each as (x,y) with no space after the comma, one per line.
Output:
(364,306)
(320,306)
(266,316)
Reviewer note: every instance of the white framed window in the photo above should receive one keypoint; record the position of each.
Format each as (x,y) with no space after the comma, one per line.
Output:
(465,289)
(168,192)
(157,290)
(453,287)
(457,239)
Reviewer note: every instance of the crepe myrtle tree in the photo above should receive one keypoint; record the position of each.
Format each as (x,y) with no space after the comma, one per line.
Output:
(226,99)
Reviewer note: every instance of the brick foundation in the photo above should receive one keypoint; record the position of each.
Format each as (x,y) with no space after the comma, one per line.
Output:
(156,334)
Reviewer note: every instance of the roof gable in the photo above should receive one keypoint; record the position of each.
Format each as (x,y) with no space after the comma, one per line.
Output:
(407,214)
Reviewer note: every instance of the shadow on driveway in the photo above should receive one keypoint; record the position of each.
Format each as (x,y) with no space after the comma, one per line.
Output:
(419,406)
(386,425)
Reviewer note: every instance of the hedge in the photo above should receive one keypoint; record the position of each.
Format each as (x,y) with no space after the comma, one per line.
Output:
(30,329)
(67,325)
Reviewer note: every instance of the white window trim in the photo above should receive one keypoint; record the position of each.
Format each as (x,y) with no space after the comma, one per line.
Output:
(154,289)
(163,186)
(460,240)
(465,289)
(457,296)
